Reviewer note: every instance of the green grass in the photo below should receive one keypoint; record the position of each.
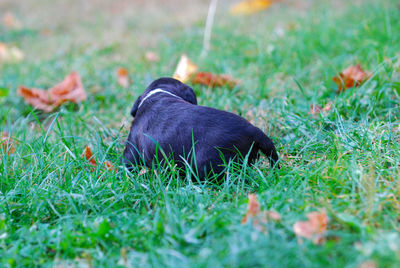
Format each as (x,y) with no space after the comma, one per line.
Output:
(54,211)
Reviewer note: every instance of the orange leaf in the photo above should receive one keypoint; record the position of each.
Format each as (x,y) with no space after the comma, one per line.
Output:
(314,228)
(123,77)
(214,80)
(6,143)
(69,90)
(253,208)
(185,69)
(273,215)
(352,76)
(247,7)
(152,57)
(368,264)
(258,217)
(109,166)
(88,154)
(327,107)
(316,109)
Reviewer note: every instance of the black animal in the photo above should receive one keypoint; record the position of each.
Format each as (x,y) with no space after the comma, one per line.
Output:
(167,116)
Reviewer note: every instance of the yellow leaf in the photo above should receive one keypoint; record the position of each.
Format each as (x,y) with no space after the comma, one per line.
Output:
(250,6)
(10,54)
(185,69)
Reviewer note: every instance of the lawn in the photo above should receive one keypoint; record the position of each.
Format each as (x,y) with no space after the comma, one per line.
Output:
(57,211)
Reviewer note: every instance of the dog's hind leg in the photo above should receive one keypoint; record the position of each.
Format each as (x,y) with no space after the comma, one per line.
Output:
(131,156)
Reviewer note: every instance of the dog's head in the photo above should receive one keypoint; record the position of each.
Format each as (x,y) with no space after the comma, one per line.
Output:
(168,84)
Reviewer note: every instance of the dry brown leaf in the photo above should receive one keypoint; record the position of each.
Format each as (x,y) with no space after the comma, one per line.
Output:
(314,228)
(10,21)
(109,166)
(10,54)
(143,171)
(123,77)
(258,217)
(316,109)
(185,69)
(151,56)
(247,7)
(273,215)
(351,76)
(368,264)
(327,107)
(253,208)
(69,90)
(214,80)
(6,143)
(88,154)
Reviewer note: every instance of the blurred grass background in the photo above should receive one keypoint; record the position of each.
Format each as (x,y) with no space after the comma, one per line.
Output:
(55,212)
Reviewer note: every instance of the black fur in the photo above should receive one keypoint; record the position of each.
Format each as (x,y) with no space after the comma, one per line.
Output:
(176,124)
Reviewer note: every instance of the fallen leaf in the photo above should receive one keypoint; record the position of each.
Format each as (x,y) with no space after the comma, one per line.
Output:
(108,165)
(253,208)
(10,21)
(314,228)
(143,171)
(214,80)
(351,76)
(247,7)
(185,69)
(258,217)
(368,264)
(273,215)
(327,107)
(152,56)
(123,77)
(69,90)
(10,54)
(316,109)
(7,143)
(88,154)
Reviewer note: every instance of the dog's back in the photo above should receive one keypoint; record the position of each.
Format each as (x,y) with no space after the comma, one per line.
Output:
(201,135)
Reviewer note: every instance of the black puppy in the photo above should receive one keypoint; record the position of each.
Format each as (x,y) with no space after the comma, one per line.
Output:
(167,116)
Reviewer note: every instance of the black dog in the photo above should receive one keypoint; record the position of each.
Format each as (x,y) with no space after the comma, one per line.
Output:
(167,116)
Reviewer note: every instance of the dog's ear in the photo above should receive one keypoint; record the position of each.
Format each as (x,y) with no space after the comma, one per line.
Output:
(190,96)
(135,107)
